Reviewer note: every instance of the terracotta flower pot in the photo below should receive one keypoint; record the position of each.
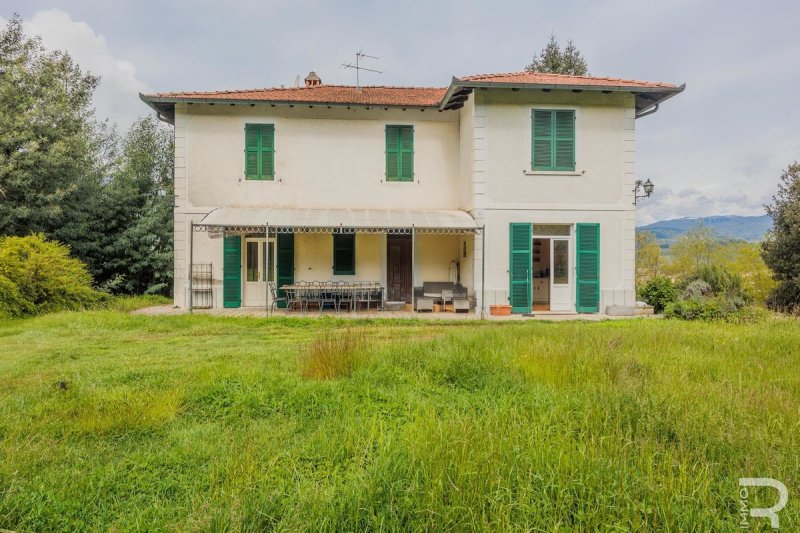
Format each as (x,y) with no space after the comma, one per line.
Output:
(500,310)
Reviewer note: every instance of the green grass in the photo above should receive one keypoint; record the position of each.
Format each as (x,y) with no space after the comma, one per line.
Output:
(118,422)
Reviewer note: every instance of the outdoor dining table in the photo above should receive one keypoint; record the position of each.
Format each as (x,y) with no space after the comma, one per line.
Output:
(338,290)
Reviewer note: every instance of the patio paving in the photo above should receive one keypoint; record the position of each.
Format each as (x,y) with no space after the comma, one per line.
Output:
(166,310)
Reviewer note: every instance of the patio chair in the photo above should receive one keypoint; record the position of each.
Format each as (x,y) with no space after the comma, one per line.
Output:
(273,292)
(344,295)
(363,295)
(313,295)
(327,295)
(294,299)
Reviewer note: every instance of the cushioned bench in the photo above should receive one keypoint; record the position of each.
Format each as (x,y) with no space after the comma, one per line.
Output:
(431,291)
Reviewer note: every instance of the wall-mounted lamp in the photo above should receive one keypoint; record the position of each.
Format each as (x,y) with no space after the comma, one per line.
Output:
(646,186)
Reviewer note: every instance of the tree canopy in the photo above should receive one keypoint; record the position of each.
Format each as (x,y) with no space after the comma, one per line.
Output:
(781,249)
(557,61)
(74,179)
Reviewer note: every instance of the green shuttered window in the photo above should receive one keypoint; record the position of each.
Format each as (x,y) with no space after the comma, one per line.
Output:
(259,151)
(553,140)
(399,153)
(520,263)
(344,254)
(232,271)
(588,268)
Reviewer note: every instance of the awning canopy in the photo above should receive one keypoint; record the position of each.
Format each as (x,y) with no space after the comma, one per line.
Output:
(285,220)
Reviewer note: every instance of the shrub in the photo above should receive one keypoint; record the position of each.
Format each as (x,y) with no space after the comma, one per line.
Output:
(785,297)
(41,277)
(691,309)
(719,282)
(658,292)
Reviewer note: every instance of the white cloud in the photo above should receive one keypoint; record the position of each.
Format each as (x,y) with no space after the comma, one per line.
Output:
(116,98)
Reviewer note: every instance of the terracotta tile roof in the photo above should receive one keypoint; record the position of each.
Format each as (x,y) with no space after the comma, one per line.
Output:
(545,78)
(337,94)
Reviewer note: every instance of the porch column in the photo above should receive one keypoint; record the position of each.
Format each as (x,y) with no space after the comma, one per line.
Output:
(265,266)
(483,270)
(413,258)
(191,266)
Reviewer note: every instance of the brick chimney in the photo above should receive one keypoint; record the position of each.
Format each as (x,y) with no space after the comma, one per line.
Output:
(312,79)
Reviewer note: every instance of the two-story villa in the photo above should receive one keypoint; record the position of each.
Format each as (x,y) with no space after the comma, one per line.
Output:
(519,187)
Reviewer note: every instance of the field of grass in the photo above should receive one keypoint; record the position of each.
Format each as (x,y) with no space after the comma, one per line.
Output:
(116,422)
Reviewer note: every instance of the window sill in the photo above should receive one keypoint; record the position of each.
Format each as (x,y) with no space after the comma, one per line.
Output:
(553,172)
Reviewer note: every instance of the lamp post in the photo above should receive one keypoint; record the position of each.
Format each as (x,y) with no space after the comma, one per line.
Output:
(646,186)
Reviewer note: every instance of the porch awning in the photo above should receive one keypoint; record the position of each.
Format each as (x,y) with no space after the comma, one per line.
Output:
(256,219)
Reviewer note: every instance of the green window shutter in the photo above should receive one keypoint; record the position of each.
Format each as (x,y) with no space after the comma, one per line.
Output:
(232,271)
(564,140)
(344,254)
(588,266)
(520,264)
(542,140)
(284,263)
(266,161)
(406,153)
(392,153)
(251,159)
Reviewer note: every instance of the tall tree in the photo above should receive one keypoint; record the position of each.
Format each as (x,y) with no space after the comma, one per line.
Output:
(693,250)
(554,60)
(649,260)
(139,203)
(781,248)
(46,132)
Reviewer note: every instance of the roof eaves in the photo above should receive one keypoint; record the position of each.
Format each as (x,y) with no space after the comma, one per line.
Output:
(195,100)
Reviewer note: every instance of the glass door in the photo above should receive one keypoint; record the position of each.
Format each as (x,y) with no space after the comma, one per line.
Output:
(560,286)
(259,268)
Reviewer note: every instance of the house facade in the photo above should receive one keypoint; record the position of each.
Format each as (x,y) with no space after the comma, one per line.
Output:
(517,187)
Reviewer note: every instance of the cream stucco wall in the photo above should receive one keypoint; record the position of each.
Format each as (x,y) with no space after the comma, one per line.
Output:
(323,158)
(496,136)
(476,159)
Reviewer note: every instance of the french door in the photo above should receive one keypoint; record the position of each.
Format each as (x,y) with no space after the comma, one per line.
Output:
(259,268)
(561,275)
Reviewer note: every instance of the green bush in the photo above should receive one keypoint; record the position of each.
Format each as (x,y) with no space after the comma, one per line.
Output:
(719,281)
(785,297)
(658,292)
(38,276)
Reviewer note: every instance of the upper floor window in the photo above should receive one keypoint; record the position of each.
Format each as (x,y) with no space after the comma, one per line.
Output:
(553,143)
(259,151)
(399,153)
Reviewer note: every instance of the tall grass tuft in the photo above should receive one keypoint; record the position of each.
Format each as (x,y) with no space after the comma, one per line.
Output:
(333,354)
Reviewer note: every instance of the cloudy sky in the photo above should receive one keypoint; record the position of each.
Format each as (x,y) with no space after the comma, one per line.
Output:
(718,148)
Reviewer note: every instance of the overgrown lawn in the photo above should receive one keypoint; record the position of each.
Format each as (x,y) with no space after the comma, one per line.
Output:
(111,421)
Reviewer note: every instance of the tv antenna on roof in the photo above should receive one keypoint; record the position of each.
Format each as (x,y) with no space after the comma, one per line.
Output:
(359,55)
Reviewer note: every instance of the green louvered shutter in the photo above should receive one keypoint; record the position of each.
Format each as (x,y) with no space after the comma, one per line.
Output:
(284,263)
(251,134)
(232,271)
(542,143)
(564,140)
(392,153)
(520,263)
(406,153)
(266,162)
(588,266)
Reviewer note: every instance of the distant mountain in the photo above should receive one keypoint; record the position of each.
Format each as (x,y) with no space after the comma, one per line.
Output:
(730,227)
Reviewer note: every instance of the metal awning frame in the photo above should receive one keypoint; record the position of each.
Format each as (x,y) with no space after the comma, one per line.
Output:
(273,229)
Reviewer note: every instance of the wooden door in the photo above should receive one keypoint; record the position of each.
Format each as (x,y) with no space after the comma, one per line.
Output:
(398,268)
